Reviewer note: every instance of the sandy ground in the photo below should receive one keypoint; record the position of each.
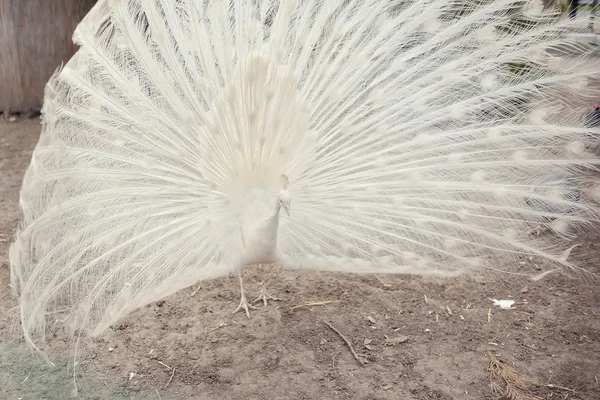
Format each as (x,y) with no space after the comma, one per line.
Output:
(192,347)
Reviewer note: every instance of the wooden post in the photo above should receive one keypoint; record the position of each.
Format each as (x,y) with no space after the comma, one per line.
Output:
(35,38)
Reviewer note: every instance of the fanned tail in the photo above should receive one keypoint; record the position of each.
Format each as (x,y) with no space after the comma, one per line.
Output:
(419,136)
(445,138)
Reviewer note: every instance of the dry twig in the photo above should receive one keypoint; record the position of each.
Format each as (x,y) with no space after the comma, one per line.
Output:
(340,334)
(312,303)
(222,324)
(196,291)
(25,380)
(171,378)
(164,365)
(553,386)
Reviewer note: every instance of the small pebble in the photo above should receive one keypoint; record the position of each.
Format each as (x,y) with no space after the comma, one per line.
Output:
(371,319)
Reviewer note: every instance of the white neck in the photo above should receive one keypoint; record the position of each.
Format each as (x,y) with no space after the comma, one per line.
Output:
(276,210)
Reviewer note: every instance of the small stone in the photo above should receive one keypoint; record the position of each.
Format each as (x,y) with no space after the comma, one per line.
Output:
(449,310)
(525,289)
(387,386)
(368,347)
(371,319)
(323,341)
(396,340)
(367,341)
(111,349)
(12,119)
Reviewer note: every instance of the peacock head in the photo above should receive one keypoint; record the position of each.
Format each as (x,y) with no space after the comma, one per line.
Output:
(283,197)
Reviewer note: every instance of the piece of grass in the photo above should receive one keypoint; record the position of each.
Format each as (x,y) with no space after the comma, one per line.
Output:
(506,381)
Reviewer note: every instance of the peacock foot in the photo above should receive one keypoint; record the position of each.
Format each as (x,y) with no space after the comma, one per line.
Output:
(244,305)
(264,296)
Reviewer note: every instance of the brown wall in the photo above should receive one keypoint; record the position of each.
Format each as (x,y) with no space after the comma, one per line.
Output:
(35,37)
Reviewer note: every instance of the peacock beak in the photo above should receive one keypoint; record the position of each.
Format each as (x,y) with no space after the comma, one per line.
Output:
(287,210)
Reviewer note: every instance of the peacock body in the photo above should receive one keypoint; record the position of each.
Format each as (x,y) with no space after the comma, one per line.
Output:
(416,136)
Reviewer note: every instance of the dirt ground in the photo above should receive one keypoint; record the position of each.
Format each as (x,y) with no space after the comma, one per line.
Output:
(422,338)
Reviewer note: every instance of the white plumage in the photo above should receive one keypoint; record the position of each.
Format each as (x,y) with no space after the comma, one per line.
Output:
(416,135)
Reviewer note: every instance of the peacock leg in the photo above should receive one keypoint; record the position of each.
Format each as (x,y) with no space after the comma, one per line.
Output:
(264,296)
(244,305)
